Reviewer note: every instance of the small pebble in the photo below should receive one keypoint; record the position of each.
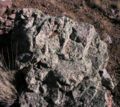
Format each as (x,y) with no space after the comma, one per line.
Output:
(12,16)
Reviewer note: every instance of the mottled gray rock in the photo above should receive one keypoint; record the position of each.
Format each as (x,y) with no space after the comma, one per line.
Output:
(61,60)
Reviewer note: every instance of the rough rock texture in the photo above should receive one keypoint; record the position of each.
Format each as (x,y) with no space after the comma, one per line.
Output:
(60,60)
(7,21)
(103,14)
(7,16)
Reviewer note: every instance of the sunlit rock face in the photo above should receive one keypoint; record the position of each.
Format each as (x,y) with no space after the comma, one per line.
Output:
(61,60)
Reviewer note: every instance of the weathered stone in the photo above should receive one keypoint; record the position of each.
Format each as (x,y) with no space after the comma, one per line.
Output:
(64,59)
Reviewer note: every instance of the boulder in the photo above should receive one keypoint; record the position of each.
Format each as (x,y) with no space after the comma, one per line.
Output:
(61,60)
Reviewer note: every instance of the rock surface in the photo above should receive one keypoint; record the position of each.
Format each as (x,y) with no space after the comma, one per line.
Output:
(7,16)
(103,14)
(58,62)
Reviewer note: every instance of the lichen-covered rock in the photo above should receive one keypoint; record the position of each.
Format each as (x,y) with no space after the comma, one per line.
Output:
(61,60)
